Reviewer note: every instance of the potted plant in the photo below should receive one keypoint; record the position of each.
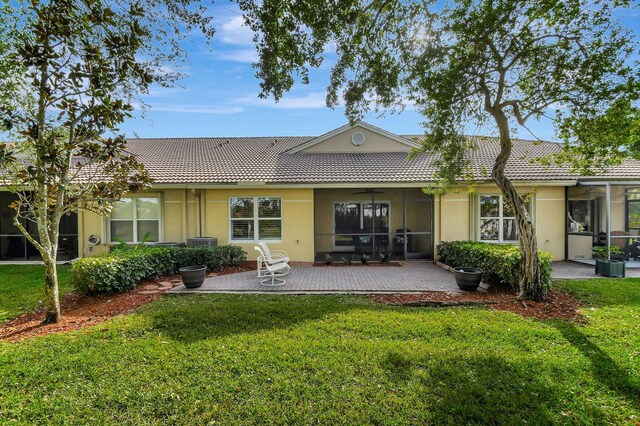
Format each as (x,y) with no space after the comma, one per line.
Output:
(193,275)
(608,267)
(468,279)
(328,259)
(364,258)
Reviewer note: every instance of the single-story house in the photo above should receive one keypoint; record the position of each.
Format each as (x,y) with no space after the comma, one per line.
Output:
(350,190)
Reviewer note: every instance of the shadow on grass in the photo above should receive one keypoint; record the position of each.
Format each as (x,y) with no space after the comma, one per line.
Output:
(201,317)
(604,368)
(468,389)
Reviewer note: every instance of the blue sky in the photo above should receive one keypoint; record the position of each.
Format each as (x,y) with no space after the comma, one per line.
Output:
(218,96)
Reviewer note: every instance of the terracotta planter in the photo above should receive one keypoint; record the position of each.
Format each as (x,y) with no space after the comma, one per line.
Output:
(468,279)
(193,276)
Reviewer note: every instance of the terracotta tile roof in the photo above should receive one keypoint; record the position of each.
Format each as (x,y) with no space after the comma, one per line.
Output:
(264,159)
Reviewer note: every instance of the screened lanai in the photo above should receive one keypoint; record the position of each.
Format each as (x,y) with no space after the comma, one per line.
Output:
(604,214)
(352,221)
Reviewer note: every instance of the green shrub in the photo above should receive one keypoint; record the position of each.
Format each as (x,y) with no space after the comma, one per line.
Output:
(123,267)
(500,263)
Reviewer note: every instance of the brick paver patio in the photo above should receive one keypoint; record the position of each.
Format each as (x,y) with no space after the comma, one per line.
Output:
(574,270)
(413,277)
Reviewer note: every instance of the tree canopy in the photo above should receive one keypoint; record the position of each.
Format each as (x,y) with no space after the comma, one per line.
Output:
(72,71)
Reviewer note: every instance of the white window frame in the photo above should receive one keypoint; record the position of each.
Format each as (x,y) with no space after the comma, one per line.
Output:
(256,219)
(500,218)
(135,219)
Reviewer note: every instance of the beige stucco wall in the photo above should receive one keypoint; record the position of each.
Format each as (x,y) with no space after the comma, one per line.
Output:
(297,219)
(550,220)
(178,204)
(307,215)
(617,209)
(174,227)
(374,142)
(454,216)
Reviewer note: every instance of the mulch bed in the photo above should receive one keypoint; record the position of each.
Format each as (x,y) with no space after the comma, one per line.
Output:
(80,311)
(337,263)
(249,265)
(559,305)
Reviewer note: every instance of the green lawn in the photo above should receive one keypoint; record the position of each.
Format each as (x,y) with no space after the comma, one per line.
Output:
(229,359)
(22,288)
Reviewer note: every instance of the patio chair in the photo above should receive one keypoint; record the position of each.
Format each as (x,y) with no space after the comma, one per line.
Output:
(273,272)
(621,243)
(634,250)
(273,256)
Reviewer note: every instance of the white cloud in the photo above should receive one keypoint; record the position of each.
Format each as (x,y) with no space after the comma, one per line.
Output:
(312,100)
(197,109)
(235,32)
(241,55)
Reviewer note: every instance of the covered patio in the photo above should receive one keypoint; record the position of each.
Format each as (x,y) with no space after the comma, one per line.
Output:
(355,221)
(604,217)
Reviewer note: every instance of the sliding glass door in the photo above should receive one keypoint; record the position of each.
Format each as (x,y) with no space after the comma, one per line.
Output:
(358,225)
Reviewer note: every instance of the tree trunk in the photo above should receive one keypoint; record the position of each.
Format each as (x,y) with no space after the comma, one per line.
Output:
(530,284)
(51,295)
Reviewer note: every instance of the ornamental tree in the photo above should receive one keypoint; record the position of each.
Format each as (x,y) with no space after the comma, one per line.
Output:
(497,63)
(77,67)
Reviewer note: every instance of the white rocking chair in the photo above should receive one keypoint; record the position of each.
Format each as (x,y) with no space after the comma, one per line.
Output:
(272,257)
(273,272)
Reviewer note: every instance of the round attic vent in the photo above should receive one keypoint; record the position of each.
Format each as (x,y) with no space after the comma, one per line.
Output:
(357,138)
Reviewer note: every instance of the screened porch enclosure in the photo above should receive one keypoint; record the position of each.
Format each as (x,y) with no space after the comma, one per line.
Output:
(353,221)
(15,247)
(604,215)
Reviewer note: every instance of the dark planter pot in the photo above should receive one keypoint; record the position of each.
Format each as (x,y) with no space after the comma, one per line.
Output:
(193,276)
(610,268)
(468,279)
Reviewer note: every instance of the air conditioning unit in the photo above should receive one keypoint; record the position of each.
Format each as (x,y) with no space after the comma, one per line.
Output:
(202,242)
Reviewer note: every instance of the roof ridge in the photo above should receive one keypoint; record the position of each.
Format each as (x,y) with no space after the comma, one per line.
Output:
(536,141)
(218,137)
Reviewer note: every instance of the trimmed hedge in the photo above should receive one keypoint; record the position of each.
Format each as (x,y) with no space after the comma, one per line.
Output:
(500,263)
(123,267)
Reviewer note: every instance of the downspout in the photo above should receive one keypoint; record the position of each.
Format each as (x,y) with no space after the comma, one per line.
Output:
(566,223)
(373,222)
(439,220)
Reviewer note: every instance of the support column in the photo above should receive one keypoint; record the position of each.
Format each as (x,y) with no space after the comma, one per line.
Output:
(608,204)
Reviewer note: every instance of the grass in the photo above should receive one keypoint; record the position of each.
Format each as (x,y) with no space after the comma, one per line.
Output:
(22,288)
(604,291)
(231,359)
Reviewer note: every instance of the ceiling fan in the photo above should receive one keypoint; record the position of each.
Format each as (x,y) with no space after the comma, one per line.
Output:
(368,191)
